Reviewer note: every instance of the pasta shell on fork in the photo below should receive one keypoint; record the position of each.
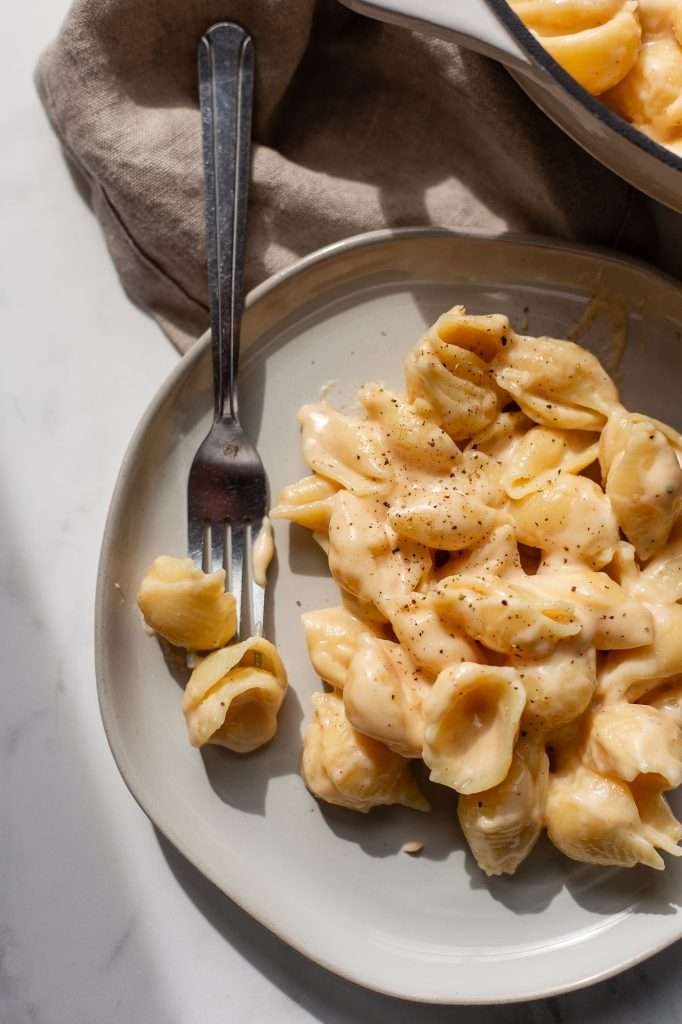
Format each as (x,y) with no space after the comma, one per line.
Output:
(186,606)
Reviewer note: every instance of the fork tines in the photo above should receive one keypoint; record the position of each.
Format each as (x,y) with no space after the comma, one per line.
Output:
(229,546)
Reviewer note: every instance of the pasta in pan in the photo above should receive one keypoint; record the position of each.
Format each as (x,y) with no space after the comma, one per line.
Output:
(507,540)
(233,696)
(628,52)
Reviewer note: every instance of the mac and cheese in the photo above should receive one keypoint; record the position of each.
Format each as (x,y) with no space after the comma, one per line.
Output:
(628,53)
(507,542)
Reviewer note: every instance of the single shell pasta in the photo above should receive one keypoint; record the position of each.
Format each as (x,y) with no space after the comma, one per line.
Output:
(628,53)
(558,687)
(308,502)
(343,767)
(629,675)
(505,617)
(544,454)
(448,371)
(595,819)
(659,825)
(186,606)
(556,383)
(570,520)
(471,721)
(234,695)
(502,824)
(383,695)
(343,449)
(643,481)
(332,635)
(628,740)
(433,643)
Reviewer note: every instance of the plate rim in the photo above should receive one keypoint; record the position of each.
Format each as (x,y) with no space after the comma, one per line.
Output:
(177,372)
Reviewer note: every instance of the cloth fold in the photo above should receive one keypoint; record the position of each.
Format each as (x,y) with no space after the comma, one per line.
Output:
(357,125)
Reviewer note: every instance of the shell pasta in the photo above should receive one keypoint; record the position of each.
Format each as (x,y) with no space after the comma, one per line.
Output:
(507,543)
(627,52)
(235,691)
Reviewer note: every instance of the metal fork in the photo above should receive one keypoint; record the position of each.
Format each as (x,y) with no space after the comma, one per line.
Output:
(227,494)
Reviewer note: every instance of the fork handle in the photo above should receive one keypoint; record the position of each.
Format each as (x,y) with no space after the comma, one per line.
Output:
(226,74)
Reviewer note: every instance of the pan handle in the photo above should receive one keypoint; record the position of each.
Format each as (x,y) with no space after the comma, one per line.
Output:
(472,23)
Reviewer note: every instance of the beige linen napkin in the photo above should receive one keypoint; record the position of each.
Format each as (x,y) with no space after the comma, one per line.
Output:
(357,125)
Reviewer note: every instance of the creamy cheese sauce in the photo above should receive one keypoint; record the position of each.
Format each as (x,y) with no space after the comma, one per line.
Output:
(263,551)
(629,54)
(490,610)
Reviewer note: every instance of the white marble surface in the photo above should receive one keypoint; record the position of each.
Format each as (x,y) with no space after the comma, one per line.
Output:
(100,919)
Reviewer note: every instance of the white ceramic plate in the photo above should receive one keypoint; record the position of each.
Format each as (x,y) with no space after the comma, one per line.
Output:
(333,883)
